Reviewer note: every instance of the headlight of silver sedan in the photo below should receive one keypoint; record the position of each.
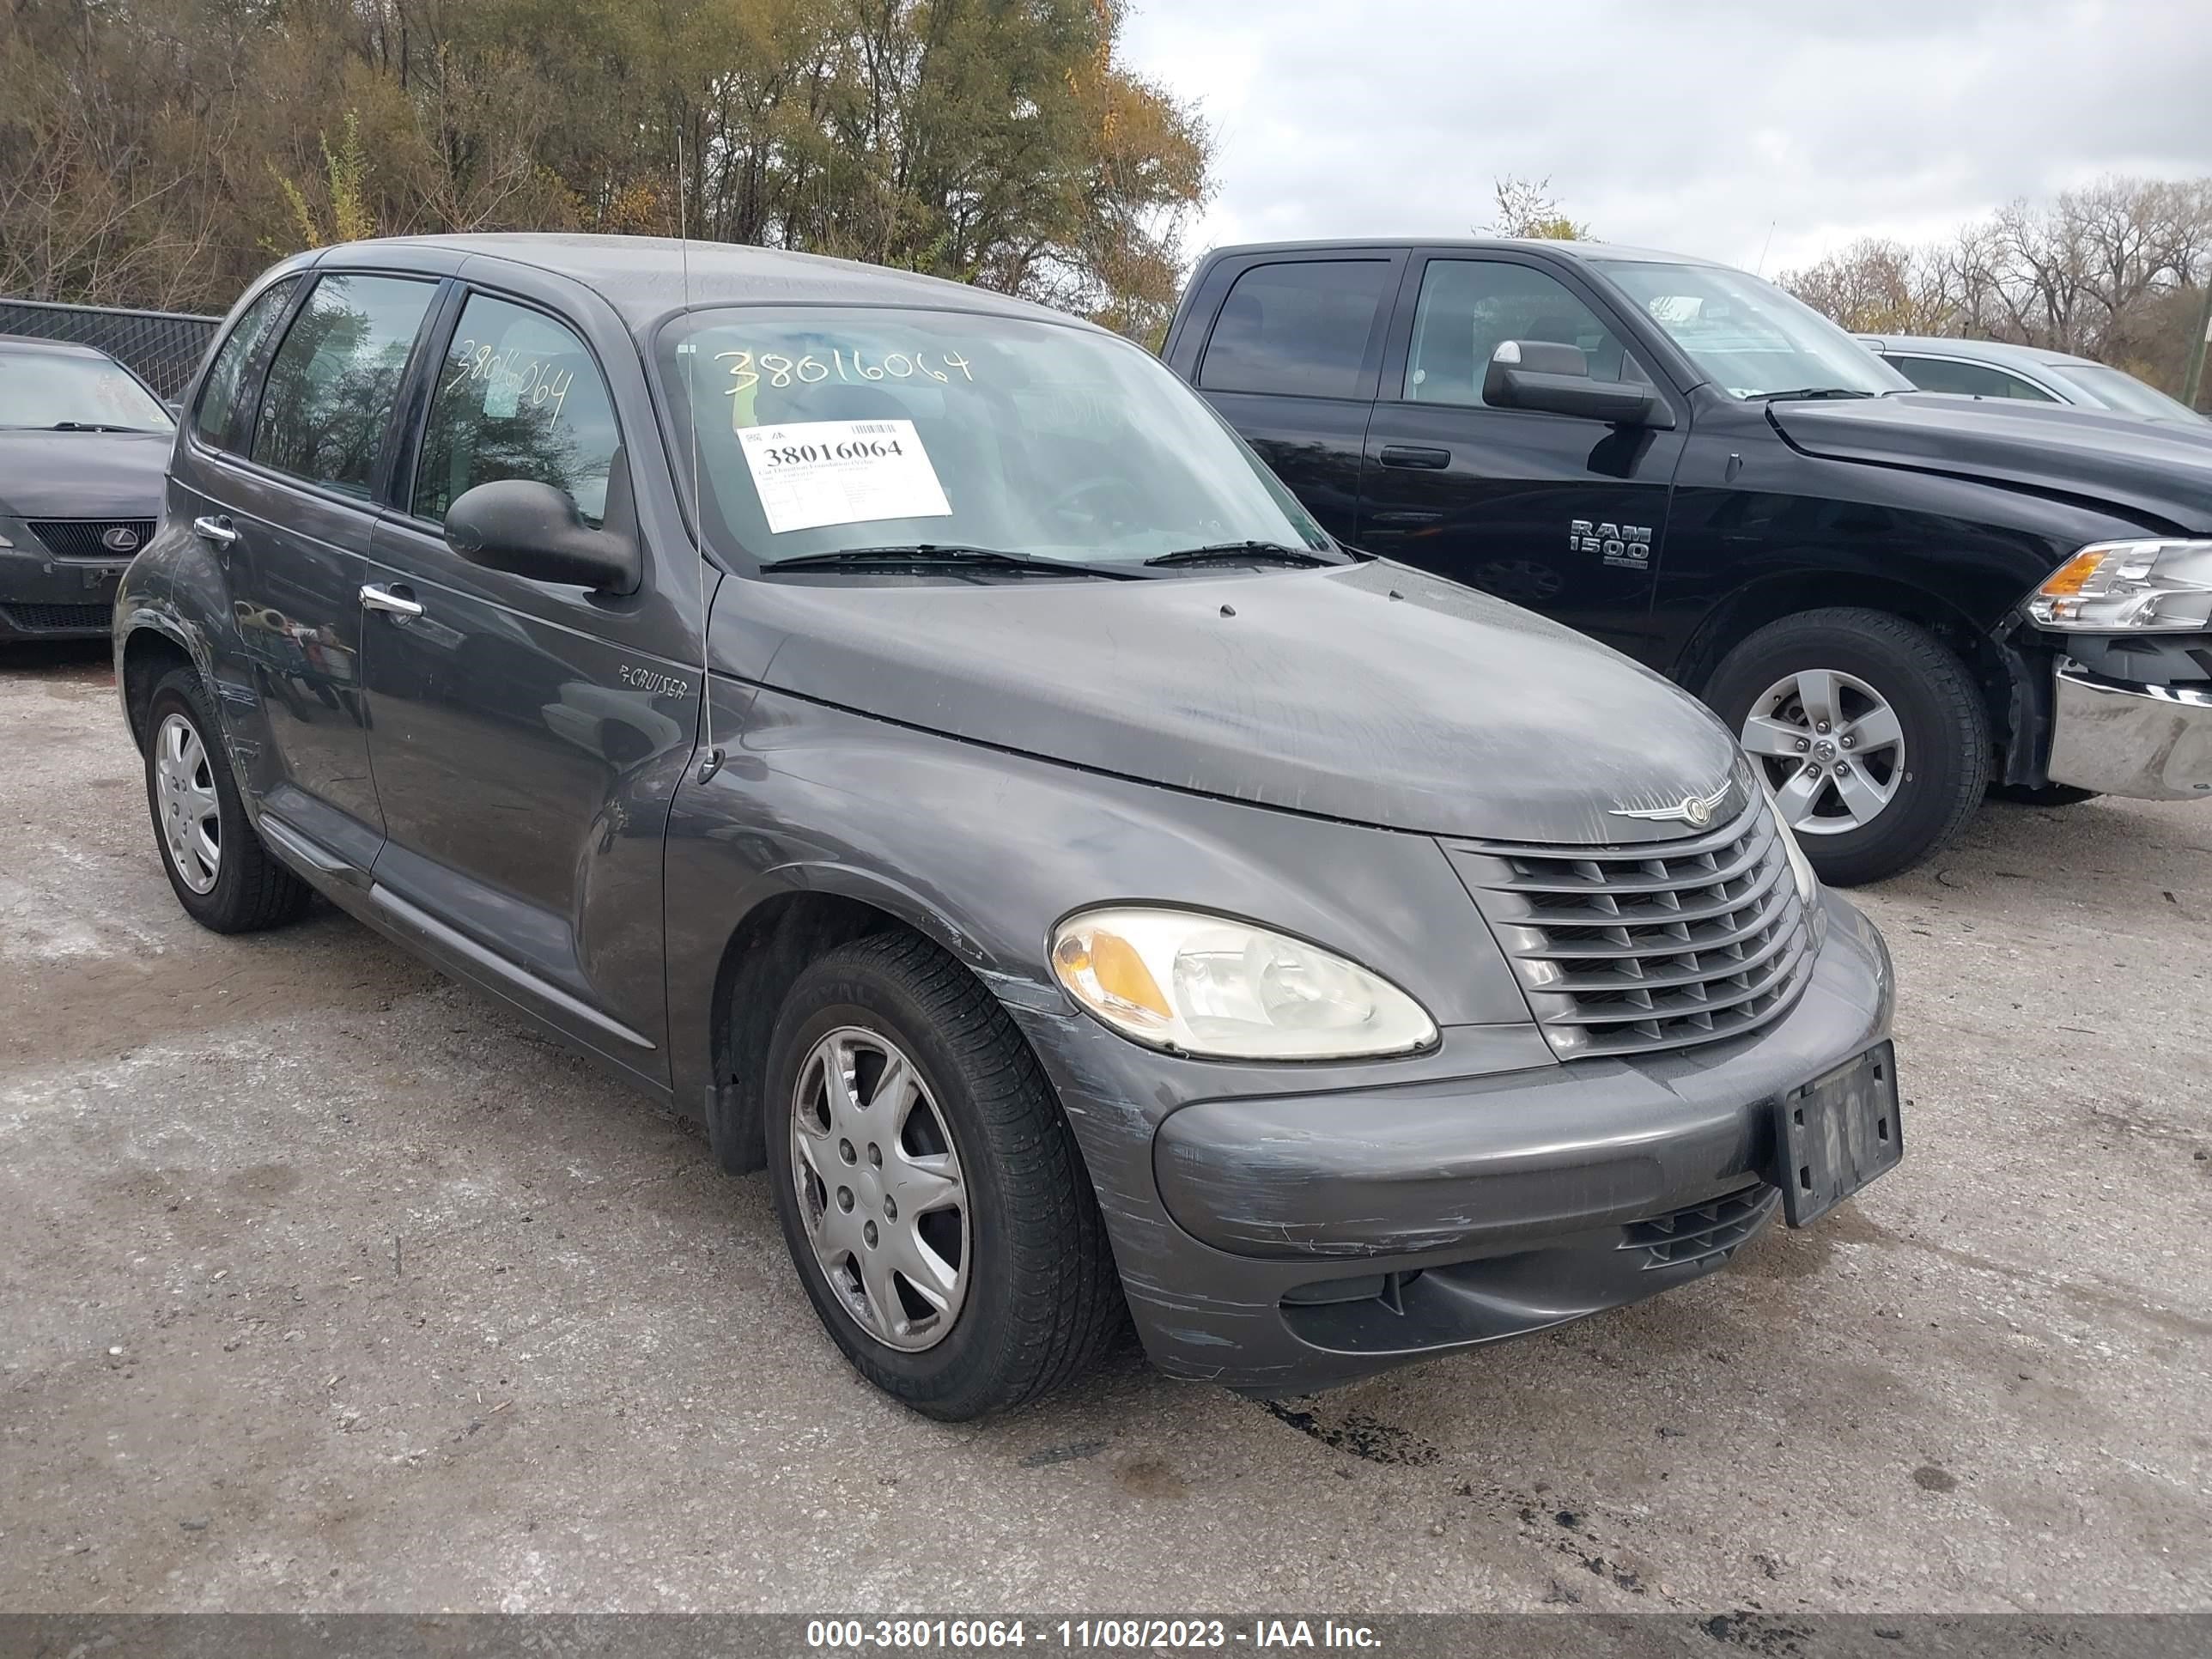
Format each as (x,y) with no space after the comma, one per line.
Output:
(2162,585)
(1197,984)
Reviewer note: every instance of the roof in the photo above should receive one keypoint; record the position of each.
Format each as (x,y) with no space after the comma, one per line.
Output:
(647,277)
(1574,250)
(53,348)
(1980,351)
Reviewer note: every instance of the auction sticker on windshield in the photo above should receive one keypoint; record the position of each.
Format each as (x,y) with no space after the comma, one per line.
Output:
(826,472)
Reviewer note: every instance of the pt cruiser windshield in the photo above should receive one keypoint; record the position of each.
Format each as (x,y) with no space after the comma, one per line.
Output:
(823,432)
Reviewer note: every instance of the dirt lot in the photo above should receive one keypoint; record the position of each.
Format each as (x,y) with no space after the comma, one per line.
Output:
(329,1286)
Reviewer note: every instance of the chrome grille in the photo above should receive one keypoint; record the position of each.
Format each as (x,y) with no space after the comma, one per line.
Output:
(1663,944)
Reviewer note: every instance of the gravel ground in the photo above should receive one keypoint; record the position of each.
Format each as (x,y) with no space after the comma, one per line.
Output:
(330,1286)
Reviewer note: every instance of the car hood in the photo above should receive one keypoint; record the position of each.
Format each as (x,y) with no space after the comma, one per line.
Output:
(2155,471)
(1368,692)
(82,475)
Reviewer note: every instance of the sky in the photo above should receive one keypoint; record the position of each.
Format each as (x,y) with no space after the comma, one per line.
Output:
(1764,135)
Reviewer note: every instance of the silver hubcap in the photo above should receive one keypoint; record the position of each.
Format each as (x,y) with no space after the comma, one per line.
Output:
(1831,748)
(185,804)
(880,1190)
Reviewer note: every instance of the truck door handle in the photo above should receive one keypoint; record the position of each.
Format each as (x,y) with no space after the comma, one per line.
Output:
(1416,455)
(210,527)
(395,602)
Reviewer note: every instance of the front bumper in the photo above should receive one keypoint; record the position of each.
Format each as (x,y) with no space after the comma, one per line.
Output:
(2123,737)
(1286,1243)
(44,596)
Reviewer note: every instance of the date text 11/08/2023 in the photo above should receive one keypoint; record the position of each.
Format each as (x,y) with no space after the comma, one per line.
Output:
(1133,1634)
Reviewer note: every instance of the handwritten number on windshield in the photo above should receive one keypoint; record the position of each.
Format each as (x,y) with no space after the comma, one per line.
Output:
(746,370)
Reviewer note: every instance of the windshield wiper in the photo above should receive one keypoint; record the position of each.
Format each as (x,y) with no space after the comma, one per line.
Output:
(1241,553)
(92,426)
(1811,391)
(923,555)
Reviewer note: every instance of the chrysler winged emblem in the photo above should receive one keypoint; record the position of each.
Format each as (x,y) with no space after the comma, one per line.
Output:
(1696,811)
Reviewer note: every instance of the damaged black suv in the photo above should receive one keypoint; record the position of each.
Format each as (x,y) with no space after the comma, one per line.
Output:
(906,729)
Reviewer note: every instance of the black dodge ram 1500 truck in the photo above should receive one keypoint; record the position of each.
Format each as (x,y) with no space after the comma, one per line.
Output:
(1897,600)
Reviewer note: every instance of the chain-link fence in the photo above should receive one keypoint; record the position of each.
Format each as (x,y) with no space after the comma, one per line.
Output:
(164,347)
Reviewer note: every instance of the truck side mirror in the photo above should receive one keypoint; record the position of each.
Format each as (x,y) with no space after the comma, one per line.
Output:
(1542,374)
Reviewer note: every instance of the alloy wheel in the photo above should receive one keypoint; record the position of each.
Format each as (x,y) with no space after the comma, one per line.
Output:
(1831,748)
(191,817)
(880,1189)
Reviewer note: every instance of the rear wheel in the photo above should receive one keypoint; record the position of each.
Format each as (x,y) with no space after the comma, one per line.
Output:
(929,1188)
(1869,730)
(217,865)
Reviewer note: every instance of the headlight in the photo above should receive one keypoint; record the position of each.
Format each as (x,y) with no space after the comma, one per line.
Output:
(1205,984)
(1801,868)
(2139,585)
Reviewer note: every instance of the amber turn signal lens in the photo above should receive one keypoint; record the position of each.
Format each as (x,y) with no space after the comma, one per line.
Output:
(2070,579)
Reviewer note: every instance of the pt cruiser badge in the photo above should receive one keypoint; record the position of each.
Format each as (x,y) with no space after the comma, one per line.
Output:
(1065,959)
(1696,810)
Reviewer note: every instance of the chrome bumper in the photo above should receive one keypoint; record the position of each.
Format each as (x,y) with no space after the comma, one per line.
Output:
(2143,742)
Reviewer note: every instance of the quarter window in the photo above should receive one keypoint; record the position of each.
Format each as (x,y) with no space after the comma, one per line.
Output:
(1469,307)
(334,381)
(1300,328)
(219,397)
(518,397)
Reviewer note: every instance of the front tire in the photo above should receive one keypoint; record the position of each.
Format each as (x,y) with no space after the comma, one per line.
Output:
(1870,731)
(215,863)
(929,1187)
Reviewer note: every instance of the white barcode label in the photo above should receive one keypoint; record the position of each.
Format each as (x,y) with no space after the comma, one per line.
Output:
(827,472)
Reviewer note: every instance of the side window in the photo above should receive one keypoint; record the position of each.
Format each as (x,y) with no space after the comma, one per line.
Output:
(1967,379)
(518,397)
(334,380)
(219,395)
(1299,328)
(1469,307)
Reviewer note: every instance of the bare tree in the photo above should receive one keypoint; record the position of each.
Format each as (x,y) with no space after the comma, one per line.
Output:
(1526,208)
(2104,271)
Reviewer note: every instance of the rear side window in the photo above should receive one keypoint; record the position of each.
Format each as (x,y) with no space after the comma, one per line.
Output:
(1300,328)
(1469,307)
(518,397)
(219,396)
(1971,380)
(334,381)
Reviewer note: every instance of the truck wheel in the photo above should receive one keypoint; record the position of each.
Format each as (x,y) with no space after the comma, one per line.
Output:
(1869,730)
(220,872)
(2045,794)
(930,1190)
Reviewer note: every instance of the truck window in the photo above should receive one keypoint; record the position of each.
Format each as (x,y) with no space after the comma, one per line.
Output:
(1300,328)
(1469,307)
(1971,380)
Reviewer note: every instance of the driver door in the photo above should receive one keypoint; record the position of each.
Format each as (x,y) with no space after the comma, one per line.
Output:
(1563,515)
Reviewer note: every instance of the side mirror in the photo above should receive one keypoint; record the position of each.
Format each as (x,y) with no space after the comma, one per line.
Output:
(1541,375)
(533,529)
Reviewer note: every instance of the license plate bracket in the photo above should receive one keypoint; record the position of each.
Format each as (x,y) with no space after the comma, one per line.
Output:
(1836,1133)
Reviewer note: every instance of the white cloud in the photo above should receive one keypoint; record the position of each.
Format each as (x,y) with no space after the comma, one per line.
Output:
(1703,128)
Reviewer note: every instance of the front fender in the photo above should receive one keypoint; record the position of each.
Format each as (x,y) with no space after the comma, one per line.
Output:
(984,852)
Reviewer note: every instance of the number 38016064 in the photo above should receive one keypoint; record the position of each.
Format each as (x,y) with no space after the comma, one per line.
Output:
(748,369)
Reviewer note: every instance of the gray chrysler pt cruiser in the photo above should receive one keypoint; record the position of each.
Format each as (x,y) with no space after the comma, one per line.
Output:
(906,729)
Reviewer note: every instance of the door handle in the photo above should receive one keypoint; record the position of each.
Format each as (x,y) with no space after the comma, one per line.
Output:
(395,602)
(1416,455)
(211,527)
